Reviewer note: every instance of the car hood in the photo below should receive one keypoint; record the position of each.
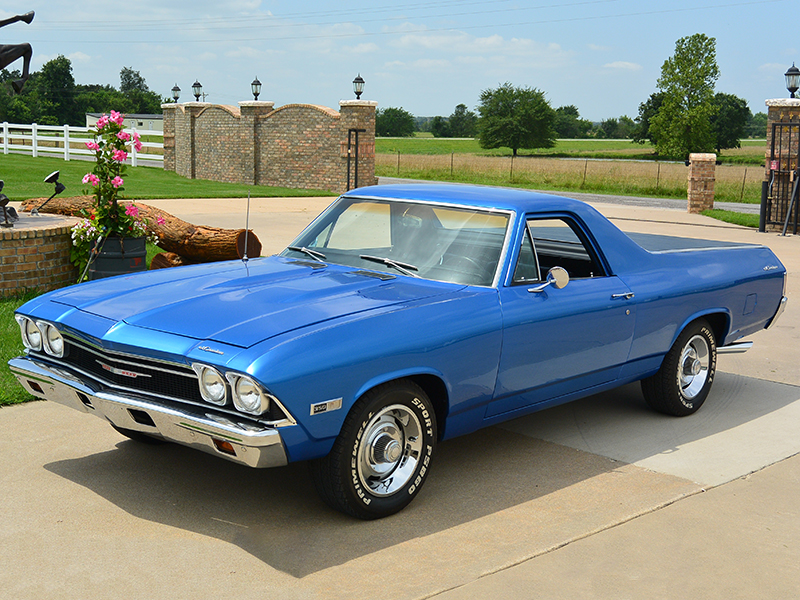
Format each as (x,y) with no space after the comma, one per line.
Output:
(242,305)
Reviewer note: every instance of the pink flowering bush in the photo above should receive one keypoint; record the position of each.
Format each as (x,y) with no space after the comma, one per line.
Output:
(108,218)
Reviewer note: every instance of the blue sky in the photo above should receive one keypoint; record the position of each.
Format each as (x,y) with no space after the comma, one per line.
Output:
(603,56)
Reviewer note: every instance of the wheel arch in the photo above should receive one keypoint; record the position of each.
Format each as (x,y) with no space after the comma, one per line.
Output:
(719,319)
(431,383)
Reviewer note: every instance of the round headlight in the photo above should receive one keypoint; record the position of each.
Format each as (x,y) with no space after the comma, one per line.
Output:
(212,385)
(53,341)
(31,335)
(247,396)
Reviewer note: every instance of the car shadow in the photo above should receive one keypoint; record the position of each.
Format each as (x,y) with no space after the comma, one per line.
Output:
(276,515)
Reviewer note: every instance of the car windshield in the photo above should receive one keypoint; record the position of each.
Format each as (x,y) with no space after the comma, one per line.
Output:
(443,243)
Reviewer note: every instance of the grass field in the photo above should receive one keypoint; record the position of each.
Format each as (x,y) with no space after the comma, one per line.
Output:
(24,178)
(735,183)
(10,346)
(751,152)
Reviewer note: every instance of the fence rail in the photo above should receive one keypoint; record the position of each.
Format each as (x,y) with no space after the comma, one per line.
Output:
(70,142)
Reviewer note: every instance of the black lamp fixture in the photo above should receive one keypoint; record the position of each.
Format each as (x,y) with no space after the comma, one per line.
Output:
(176,93)
(358,86)
(197,90)
(792,80)
(255,87)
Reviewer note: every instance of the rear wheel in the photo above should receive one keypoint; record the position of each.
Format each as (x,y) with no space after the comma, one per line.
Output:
(382,455)
(684,380)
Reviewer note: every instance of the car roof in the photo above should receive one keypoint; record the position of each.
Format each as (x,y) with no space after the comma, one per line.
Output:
(472,195)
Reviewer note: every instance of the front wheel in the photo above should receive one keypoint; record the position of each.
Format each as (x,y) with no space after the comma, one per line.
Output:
(382,455)
(684,380)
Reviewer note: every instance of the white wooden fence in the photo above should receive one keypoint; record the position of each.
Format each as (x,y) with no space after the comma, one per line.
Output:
(70,142)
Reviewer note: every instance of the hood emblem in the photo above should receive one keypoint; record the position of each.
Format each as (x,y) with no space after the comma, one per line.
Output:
(122,372)
(209,349)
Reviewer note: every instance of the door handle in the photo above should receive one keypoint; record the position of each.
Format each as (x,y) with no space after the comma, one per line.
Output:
(625,296)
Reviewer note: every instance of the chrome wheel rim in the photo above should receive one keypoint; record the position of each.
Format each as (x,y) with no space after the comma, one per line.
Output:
(693,367)
(390,450)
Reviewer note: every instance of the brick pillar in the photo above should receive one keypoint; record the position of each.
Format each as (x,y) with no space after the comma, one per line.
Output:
(251,112)
(701,182)
(168,111)
(358,114)
(779,176)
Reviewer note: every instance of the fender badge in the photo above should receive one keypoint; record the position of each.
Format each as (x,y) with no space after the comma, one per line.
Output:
(209,349)
(322,407)
(770,267)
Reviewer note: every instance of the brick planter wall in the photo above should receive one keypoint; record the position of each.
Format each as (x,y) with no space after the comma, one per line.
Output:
(36,255)
(298,145)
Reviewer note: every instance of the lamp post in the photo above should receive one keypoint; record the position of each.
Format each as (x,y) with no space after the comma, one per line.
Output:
(197,90)
(255,87)
(358,86)
(176,93)
(792,80)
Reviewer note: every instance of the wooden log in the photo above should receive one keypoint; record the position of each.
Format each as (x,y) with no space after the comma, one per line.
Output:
(198,243)
(164,260)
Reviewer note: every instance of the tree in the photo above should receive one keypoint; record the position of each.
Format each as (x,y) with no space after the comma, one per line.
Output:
(133,86)
(683,123)
(647,110)
(56,86)
(757,125)
(394,122)
(515,118)
(130,80)
(569,125)
(729,121)
(463,122)
(440,127)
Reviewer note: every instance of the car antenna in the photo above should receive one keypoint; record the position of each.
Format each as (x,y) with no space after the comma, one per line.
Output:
(246,229)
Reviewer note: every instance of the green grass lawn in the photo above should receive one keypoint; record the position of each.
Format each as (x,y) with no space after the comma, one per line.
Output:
(10,346)
(24,178)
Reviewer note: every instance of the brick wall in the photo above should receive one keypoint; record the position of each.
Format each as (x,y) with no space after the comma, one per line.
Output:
(31,258)
(701,181)
(297,145)
(781,181)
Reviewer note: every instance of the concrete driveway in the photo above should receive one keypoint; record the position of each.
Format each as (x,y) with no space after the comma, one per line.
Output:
(600,498)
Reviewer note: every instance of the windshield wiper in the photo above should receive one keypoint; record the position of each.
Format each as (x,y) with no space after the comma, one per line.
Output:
(404,268)
(312,253)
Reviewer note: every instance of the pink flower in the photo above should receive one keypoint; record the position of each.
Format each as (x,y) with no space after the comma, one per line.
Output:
(117,181)
(132,211)
(102,122)
(93,146)
(160,220)
(120,155)
(123,136)
(91,178)
(136,143)
(117,117)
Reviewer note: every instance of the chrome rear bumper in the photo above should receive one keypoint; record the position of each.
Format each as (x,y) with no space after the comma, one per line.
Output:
(242,442)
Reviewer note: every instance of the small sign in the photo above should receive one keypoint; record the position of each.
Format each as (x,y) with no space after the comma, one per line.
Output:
(774,165)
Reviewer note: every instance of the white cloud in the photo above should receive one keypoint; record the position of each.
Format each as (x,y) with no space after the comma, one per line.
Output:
(622,65)
(596,48)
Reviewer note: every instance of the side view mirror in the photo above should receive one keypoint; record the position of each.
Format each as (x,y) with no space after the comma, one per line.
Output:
(557,277)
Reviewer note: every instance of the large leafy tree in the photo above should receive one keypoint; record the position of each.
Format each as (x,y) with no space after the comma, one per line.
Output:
(463,122)
(729,121)
(515,118)
(133,86)
(56,86)
(569,125)
(440,127)
(683,122)
(394,122)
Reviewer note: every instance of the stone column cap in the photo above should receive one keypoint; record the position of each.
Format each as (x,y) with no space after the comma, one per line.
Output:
(358,103)
(703,156)
(257,103)
(784,102)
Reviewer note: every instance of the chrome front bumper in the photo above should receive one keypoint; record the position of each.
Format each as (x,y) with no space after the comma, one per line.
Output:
(242,442)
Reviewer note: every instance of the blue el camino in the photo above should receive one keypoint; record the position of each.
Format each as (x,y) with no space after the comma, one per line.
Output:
(402,316)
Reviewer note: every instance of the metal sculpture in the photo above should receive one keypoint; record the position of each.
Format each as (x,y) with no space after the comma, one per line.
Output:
(11,52)
(8,211)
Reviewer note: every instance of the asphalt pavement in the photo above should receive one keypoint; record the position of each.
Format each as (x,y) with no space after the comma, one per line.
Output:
(599,498)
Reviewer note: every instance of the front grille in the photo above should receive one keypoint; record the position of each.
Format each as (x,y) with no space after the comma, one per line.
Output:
(153,378)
